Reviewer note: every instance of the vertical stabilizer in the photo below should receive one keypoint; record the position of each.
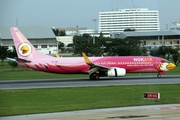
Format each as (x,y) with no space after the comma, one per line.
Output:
(23,47)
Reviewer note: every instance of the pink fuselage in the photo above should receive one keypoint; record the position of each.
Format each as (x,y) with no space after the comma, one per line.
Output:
(76,65)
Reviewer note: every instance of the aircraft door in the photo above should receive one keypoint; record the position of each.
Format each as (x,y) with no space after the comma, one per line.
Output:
(157,63)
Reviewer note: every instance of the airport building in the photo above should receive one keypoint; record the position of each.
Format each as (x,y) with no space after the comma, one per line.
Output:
(70,32)
(140,19)
(41,37)
(152,39)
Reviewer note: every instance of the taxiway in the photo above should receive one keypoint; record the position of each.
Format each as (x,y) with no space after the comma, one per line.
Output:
(82,82)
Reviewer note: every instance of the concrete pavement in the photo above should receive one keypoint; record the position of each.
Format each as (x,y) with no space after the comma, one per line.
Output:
(151,112)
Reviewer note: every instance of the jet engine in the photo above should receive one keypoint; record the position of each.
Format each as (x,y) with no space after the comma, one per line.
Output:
(115,72)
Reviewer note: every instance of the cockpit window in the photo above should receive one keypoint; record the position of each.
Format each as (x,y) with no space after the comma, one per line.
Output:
(165,61)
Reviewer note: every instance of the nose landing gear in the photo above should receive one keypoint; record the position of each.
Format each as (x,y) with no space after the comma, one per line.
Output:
(158,75)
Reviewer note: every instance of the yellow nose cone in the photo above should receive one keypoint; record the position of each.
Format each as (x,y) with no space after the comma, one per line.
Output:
(171,66)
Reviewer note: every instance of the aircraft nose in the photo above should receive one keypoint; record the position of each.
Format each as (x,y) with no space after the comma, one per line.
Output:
(171,66)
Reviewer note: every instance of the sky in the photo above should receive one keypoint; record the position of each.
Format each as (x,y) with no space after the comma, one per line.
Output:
(81,13)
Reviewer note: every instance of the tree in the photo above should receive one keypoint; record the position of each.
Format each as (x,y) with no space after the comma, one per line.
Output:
(3,54)
(70,45)
(101,35)
(162,51)
(124,47)
(56,31)
(81,39)
(12,53)
(96,51)
(61,46)
(129,29)
(176,58)
(144,51)
(62,33)
(13,64)
(154,52)
(166,52)
(111,46)
(89,48)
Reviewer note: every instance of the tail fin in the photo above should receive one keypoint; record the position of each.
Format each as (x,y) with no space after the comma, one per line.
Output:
(23,47)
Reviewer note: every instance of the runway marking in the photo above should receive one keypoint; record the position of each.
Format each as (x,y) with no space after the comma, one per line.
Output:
(170,108)
(134,116)
(122,117)
(125,117)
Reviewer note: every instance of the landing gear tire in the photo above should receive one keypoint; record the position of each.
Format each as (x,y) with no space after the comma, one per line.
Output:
(94,76)
(91,77)
(159,75)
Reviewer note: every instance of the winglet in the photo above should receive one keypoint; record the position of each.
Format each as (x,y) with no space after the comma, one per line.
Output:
(88,62)
(57,55)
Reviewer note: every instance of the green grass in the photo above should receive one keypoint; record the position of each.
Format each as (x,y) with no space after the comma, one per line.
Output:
(21,73)
(16,102)
(30,74)
(6,73)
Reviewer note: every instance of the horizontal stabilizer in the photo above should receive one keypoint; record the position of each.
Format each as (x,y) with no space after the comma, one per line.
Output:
(18,60)
(22,60)
(11,59)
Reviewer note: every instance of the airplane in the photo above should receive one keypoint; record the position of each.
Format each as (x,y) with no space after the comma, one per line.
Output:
(96,67)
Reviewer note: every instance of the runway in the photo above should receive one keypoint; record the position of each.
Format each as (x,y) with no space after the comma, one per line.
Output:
(82,82)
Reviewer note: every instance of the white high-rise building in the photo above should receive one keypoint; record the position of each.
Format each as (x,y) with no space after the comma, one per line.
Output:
(140,19)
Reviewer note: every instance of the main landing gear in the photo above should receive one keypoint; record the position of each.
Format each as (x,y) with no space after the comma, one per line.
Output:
(94,76)
(159,75)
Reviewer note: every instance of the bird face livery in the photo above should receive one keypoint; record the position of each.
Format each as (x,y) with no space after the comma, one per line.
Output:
(166,66)
(24,49)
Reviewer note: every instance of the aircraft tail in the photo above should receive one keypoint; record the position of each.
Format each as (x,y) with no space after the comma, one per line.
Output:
(23,47)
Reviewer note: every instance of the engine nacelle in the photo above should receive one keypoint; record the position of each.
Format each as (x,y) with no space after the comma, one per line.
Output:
(115,72)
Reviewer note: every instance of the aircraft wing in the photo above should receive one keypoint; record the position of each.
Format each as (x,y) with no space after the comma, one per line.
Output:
(94,67)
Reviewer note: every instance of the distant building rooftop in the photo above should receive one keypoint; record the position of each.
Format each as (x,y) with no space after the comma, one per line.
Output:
(70,31)
(123,35)
(30,32)
(73,28)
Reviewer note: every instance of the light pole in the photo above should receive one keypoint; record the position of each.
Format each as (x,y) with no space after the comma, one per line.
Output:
(94,20)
